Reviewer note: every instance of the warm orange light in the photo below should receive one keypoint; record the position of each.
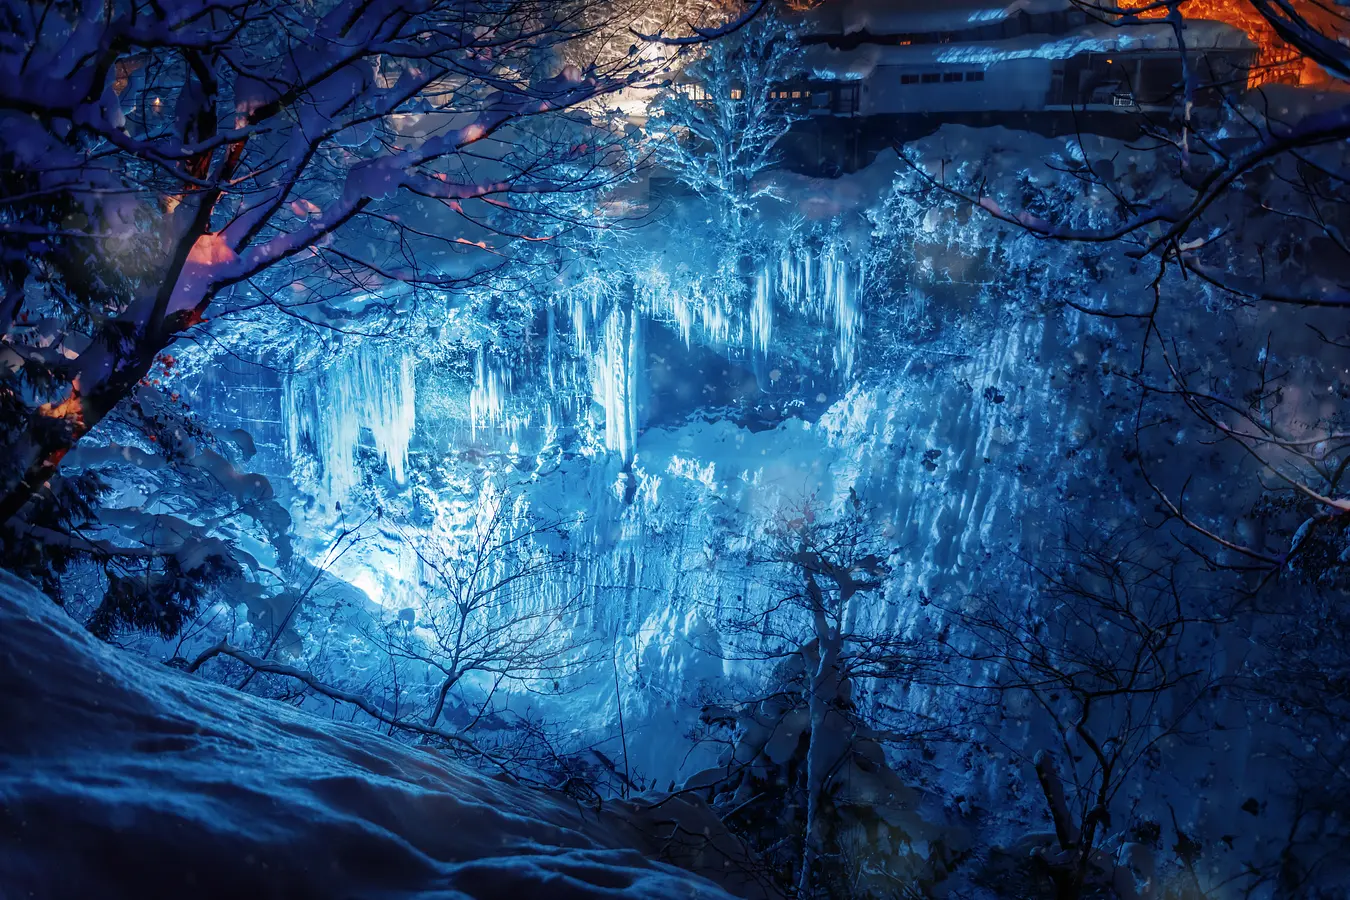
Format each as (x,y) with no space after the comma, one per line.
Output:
(1276,61)
(70,409)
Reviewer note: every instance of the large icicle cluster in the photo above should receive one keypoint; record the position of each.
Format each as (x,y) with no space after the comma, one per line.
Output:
(488,398)
(591,368)
(370,389)
(820,289)
(594,361)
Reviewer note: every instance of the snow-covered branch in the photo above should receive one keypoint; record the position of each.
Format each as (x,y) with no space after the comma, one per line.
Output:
(208,145)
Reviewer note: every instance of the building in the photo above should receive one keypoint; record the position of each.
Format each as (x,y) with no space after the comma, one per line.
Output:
(897,69)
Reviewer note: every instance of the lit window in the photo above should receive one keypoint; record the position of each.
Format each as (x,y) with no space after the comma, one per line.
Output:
(737,93)
(796,95)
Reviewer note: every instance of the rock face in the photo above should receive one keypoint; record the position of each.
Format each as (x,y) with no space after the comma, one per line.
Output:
(119,778)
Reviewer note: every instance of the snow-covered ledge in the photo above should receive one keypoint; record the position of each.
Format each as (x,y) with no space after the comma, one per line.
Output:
(119,778)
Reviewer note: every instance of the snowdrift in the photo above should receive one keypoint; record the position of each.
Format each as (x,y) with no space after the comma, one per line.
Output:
(119,778)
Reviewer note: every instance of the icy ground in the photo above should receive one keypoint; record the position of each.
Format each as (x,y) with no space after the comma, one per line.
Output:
(119,778)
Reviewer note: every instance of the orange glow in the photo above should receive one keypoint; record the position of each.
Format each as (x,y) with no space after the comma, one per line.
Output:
(1276,61)
(211,250)
(70,409)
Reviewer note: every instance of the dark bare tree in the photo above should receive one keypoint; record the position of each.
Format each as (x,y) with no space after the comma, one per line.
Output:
(1108,662)
(805,771)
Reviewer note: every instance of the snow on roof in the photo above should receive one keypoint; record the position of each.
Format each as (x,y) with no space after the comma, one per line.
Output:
(852,65)
(910,16)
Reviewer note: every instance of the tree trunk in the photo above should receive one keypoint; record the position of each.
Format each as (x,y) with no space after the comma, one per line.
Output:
(823,688)
(54,430)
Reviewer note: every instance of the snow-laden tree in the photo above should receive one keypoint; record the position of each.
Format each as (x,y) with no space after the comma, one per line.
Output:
(1100,676)
(487,618)
(167,164)
(721,119)
(165,160)
(1213,277)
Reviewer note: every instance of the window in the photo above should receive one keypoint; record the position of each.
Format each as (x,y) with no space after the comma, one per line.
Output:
(931,77)
(974,76)
(848,99)
(737,93)
(910,78)
(951,76)
(796,95)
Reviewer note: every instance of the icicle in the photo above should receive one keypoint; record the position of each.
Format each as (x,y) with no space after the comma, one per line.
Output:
(807,283)
(487,400)
(684,317)
(552,346)
(615,380)
(369,388)
(392,417)
(580,336)
(761,313)
(842,302)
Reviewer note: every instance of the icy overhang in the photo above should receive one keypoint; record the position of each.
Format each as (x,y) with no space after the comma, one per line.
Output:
(852,65)
(881,17)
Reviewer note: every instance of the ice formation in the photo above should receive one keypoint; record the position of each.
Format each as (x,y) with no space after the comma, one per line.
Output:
(488,398)
(616,377)
(819,288)
(368,389)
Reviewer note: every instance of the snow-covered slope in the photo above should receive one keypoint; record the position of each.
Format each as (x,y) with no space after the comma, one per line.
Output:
(122,779)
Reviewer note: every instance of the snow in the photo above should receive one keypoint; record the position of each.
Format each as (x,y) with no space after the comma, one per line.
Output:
(914,16)
(660,559)
(861,63)
(119,778)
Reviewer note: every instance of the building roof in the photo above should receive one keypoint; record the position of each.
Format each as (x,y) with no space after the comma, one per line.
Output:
(851,65)
(915,16)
